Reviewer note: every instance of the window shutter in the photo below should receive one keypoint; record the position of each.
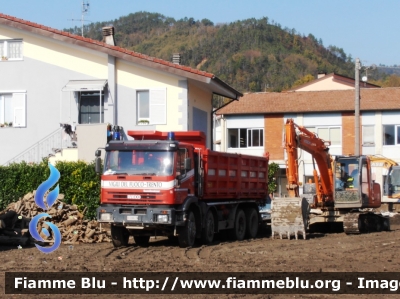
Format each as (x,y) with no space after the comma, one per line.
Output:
(19,103)
(158,106)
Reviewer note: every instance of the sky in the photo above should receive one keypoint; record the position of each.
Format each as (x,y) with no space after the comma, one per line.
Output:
(364,29)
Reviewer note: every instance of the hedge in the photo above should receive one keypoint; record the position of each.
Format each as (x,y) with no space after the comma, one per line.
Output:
(78,182)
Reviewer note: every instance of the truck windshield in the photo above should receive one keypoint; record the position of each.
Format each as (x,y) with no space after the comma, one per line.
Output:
(133,162)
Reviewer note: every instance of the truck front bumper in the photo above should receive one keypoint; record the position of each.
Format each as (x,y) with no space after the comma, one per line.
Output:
(140,216)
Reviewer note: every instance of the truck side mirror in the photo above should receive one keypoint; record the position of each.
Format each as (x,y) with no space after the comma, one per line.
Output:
(188,164)
(97,161)
(98,165)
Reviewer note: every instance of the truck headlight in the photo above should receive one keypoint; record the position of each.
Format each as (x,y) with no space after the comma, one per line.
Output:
(162,218)
(105,216)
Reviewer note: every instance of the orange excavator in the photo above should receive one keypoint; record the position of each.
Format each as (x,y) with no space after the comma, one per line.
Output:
(343,190)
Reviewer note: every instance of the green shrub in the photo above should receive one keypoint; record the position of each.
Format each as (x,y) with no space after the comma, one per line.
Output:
(272,170)
(78,182)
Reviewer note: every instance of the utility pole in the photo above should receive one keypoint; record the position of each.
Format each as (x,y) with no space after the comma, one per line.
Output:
(357,108)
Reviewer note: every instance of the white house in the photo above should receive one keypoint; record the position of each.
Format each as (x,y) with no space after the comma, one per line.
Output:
(50,77)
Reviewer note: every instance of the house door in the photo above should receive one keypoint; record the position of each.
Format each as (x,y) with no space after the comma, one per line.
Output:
(91,107)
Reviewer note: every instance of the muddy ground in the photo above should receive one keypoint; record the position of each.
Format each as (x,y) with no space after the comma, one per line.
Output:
(324,252)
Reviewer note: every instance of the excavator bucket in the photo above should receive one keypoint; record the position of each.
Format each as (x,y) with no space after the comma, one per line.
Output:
(289,216)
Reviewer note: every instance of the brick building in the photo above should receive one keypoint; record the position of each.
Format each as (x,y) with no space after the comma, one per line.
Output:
(254,125)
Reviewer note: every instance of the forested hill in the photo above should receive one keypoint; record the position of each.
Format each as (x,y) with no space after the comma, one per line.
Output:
(250,55)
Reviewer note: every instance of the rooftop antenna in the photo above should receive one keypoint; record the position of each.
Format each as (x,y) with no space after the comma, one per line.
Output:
(85,10)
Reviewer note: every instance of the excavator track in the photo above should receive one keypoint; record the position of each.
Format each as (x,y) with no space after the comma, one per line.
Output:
(364,222)
(351,223)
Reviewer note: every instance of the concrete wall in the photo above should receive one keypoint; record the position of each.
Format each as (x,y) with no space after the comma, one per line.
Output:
(201,100)
(326,84)
(90,138)
(131,78)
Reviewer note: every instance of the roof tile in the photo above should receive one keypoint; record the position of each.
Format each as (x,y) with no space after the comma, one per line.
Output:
(314,101)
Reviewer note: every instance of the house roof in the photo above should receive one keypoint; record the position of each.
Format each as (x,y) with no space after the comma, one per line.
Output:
(216,84)
(338,79)
(371,99)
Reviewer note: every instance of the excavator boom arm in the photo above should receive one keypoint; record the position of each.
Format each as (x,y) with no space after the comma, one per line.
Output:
(319,150)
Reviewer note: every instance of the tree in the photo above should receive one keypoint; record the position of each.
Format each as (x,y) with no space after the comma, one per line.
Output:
(272,170)
(207,22)
(307,78)
(392,81)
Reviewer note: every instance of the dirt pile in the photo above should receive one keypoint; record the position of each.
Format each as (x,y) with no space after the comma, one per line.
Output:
(71,223)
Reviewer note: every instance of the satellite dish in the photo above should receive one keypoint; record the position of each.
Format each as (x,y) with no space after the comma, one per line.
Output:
(364,78)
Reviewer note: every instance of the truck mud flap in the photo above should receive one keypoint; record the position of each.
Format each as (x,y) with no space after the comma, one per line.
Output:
(289,216)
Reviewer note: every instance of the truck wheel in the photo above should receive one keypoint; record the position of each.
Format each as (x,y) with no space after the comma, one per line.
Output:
(119,235)
(239,230)
(252,223)
(207,235)
(142,241)
(187,234)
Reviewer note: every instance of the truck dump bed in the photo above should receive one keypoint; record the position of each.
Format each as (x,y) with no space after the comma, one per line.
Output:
(234,176)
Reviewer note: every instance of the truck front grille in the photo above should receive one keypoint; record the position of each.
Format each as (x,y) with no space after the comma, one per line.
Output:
(122,197)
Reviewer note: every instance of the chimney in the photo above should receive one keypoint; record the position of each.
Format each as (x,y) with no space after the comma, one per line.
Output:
(176,58)
(108,35)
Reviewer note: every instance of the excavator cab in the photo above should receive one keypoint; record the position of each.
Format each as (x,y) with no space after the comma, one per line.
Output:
(354,185)
(347,174)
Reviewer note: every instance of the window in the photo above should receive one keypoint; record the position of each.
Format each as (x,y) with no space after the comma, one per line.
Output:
(11,49)
(255,137)
(245,138)
(143,100)
(331,134)
(368,135)
(391,134)
(91,107)
(152,106)
(13,109)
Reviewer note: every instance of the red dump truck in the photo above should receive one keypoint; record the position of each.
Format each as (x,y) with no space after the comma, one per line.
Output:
(170,184)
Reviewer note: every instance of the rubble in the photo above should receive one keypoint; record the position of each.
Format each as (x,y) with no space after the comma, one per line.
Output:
(73,227)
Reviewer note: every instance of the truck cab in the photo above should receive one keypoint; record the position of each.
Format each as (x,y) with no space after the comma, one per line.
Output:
(143,185)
